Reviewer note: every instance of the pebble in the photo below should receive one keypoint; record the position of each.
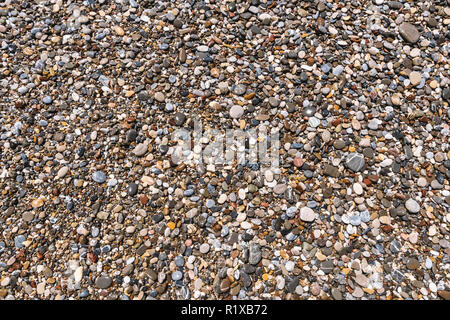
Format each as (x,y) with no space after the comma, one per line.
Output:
(307,214)
(99,177)
(373,124)
(255,255)
(204,248)
(62,172)
(140,149)
(236,112)
(103,282)
(159,96)
(279,188)
(409,32)
(357,188)
(177,275)
(415,78)
(412,206)
(355,162)
(132,189)
(40,288)
(180,118)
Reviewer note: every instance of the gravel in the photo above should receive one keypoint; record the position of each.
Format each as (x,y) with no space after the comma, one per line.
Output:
(349,99)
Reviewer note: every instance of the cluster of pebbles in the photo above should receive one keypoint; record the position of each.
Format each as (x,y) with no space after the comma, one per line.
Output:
(92,207)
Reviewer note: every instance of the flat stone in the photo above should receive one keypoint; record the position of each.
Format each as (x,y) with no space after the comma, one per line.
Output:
(373,124)
(140,149)
(28,216)
(177,275)
(40,288)
(279,188)
(362,280)
(179,118)
(236,112)
(99,177)
(415,78)
(331,171)
(225,285)
(413,264)
(327,266)
(159,96)
(357,188)
(412,206)
(274,102)
(422,182)
(298,162)
(240,89)
(409,32)
(358,292)
(62,172)
(339,144)
(204,248)
(336,294)
(255,254)
(103,282)
(202,48)
(307,214)
(355,161)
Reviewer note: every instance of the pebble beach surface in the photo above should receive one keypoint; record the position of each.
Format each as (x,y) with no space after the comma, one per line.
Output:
(93,207)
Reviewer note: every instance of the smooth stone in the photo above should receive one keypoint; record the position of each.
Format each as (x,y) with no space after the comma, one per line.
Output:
(355,161)
(27,216)
(140,149)
(409,32)
(236,112)
(5,282)
(314,122)
(327,266)
(47,100)
(62,172)
(99,177)
(298,162)
(132,189)
(413,264)
(202,48)
(307,214)
(18,241)
(103,282)
(337,295)
(415,78)
(268,175)
(40,288)
(362,280)
(373,124)
(159,96)
(240,89)
(289,266)
(326,136)
(177,275)
(179,261)
(274,102)
(355,220)
(179,118)
(357,188)
(339,144)
(204,248)
(422,182)
(131,135)
(412,206)
(279,188)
